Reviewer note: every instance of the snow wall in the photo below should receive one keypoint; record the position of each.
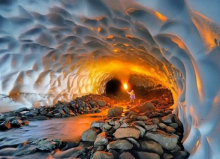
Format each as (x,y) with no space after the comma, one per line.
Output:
(59,49)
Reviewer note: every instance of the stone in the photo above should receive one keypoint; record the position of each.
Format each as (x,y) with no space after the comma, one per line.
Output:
(101,140)
(155,120)
(134,142)
(111,122)
(124,125)
(16,123)
(66,109)
(117,125)
(170,129)
(140,123)
(6,125)
(101,103)
(167,156)
(151,127)
(180,155)
(115,153)
(142,130)
(25,122)
(47,144)
(25,151)
(96,124)
(7,151)
(102,155)
(167,141)
(57,115)
(73,152)
(126,155)
(143,118)
(174,125)
(30,114)
(22,109)
(151,146)
(120,144)
(114,112)
(107,126)
(127,132)
(146,106)
(162,125)
(127,120)
(168,119)
(146,155)
(40,117)
(90,135)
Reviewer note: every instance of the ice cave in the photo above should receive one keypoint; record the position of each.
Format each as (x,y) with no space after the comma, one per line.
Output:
(55,51)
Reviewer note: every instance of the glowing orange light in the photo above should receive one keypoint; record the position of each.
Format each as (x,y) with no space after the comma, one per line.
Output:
(125,86)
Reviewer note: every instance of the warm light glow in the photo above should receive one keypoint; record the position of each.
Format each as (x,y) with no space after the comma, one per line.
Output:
(125,86)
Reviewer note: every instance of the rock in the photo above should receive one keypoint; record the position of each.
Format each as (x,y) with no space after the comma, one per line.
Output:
(180,155)
(16,123)
(57,115)
(30,114)
(146,106)
(142,130)
(40,117)
(102,155)
(134,142)
(168,119)
(155,120)
(127,120)
(162,125)
(7,151)
(22,109)
(127,132)
(101,140)
(151,127)
(167,156)
(143,118)
(96,124)
(6,125)
(25,151)
(120,144)
(25,122)
(126,155)
(151,146)
(115,153)
(47,144)
(107,126)
(73,152)
(124,125)
(66,109)
(140,123)
(174,125)
(111,122)
(167,141)
(116,111)
(92,103)
(90,135)
(146,155)
(177,148)
(101,103)
(117,125)
(169,129)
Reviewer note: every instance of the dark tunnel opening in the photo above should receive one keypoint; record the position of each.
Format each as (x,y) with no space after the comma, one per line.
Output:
(113,87)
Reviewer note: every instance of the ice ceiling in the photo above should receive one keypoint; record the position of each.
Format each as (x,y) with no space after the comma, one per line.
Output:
(68,48)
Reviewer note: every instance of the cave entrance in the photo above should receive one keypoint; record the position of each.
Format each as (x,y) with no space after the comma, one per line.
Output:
(113,87)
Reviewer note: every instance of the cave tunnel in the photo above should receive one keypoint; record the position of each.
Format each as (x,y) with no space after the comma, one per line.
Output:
(58,50)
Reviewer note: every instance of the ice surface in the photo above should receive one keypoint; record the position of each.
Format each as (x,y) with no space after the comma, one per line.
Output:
(60,49)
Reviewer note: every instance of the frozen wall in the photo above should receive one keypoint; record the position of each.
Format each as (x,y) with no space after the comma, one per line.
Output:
(60,49)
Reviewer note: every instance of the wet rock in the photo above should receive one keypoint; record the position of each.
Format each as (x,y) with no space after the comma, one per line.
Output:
(40,117)
(155,120)
(66,109)
(16,123)
(126,155)
(146,155)
(90,135)
(177,148)
(6,125)
(107,126)
(117,125)
(127,132)
(162,125)
(25,122)
(167,156)
(57,115)
(127,120)
(22,109)
(120,144)
(174,125)
(30,114)
(102,155)
(73,152)
(100,148)
(101,103)
(168,119)
(147,106)
(142,130)
(134,142)
(25,151)
(7,151)
(169,129)
(96,124)
(111,122)
(143,118)
(101,140)
(167,141)
(47,144)
(180,155)
(140,123)
(151,127)
(124,125)
(151,146)
(116,111)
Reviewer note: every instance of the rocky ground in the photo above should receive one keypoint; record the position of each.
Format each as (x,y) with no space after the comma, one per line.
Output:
(145,130)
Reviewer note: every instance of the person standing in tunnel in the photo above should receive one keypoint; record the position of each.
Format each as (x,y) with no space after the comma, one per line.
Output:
(132,96)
